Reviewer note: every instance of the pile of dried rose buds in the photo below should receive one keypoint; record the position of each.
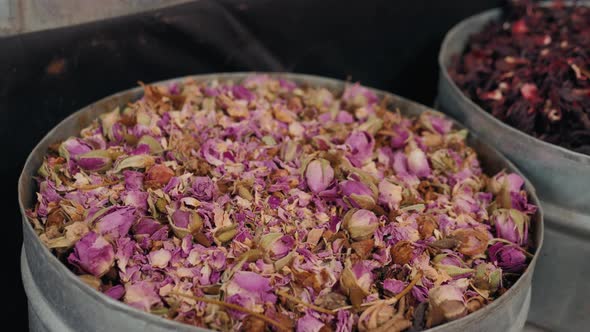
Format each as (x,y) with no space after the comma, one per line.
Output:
(531,70)
(269,205)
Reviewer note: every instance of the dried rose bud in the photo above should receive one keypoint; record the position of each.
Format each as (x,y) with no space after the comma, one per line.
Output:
(93,254)
(513,182)
(158,176)
(511,225)
(277,245)
(290,150)
(451,264)
(73,147)
(488,277)
(359,194)
(445,303)
(226,233)
(390,194)
(108,121)
(95,161)
(509,257)
(136,161)
(319,175)
(418,163)
(360,224)
(185,222)
(153,144)
(203,188)
(473,241)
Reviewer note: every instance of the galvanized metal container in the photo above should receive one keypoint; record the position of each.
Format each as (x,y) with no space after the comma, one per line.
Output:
(561,291)
(59,301)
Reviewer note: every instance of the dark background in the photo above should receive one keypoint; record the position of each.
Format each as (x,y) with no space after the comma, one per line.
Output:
(45,76)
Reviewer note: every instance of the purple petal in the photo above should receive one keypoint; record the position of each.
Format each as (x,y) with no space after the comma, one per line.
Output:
(93,254)
(133,180)
(117,222)
(394,286)
(308,323)
(115,292)
(141,295)
(418,163)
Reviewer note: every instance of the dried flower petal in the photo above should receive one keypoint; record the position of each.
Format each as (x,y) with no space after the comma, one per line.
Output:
(418,163)
(93,254)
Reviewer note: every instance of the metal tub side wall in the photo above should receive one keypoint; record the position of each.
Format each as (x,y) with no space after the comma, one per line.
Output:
(561,177)
(58,299)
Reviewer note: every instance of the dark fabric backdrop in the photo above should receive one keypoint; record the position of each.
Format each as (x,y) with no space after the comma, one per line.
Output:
(47,75)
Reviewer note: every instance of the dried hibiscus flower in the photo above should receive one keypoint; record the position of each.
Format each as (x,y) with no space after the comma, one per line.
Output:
(531,70)
(269,205)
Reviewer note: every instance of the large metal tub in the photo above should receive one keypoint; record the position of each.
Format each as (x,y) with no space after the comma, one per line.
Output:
(561,291)
(59,301)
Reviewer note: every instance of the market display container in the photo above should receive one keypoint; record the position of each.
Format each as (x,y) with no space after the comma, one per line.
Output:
(561,290)
(59,301)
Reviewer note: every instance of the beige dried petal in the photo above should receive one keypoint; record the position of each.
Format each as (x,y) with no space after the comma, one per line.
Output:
(314,236)
(91,281)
